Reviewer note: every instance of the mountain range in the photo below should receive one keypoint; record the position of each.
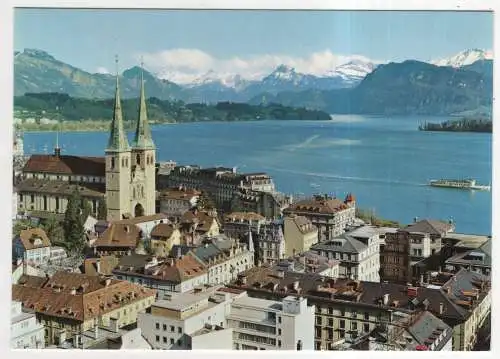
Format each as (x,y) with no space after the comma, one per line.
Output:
(458,84)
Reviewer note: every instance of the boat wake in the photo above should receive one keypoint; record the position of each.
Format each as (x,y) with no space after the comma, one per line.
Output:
(316,142)
(350,178)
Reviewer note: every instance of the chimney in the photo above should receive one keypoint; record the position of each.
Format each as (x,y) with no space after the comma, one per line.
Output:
(386,299)
(98,265)
(422,280)
(107,282)
(113,325)
(76,343)
(441,308)
(73,291)
(179,252)
(96,331)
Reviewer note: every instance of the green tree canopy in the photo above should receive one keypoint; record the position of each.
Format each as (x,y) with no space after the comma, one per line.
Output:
(102,210)
(73,224)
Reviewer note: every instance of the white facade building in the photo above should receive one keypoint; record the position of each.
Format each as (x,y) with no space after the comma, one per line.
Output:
(359,257)
(260,324)
(32,245)
(188,320)
(26,333)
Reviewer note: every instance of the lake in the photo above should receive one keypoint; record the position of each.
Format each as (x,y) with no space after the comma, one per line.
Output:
(385,162)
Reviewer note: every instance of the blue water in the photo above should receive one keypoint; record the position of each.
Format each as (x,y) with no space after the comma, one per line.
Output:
(385,162)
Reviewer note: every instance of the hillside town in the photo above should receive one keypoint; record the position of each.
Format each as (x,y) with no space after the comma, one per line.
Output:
(125,252)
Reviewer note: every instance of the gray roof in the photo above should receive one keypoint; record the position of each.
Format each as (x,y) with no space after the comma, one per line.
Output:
(422,329)
(429,226)
(137,261)
(207,251)
(469,257)
(349,245)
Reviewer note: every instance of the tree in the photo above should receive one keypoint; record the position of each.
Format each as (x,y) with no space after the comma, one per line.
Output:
(102,210)
(86,209)
(53,229)
(73,224)
(20,225)
(205,202)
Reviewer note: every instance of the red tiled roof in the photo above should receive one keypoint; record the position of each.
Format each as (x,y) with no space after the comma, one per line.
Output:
(28,236)
(67,165)
(324,206)
(119,235)
(98,296)
(162,230)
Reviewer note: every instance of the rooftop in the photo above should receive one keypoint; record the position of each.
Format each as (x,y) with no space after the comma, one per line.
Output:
(344,243)
(429,226)
(34,185)
(34,238)
(66,165)
(318,205)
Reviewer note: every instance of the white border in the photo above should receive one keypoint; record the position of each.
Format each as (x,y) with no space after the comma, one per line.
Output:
(6,79)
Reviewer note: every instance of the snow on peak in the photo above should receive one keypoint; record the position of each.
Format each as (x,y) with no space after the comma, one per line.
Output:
(465,57)
(354,69)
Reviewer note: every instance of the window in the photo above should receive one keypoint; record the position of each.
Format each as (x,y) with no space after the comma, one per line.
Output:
(367,316)
(342,335)
(354,325)
(279,331)
(342,324)
(179,329)
(32,198)
(330,322)
(172,341)
(164,339)
(112,163)
(138,159)
(157,338)
(366,327)
(44,203)
(330,311)
(354,314)
(279,320)
(164,327)
(279,343)
(319,320)
(342,312)
(179,342)
(172,328)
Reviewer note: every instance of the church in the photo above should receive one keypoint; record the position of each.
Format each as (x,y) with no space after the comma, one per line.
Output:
(124,178)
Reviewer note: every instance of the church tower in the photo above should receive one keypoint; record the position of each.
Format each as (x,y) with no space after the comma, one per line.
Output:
(143,180)
(118,164)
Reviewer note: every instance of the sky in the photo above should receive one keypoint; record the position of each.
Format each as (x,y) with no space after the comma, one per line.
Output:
(180,44)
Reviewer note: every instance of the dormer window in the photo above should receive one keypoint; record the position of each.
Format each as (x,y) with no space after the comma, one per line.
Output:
(138,159)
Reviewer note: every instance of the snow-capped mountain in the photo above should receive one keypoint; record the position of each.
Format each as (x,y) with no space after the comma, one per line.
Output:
(229,80)
(353,71)
(463,58)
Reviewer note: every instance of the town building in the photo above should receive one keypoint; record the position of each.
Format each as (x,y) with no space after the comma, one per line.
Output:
(359,257)
(220,183)
(125,177)
(347,309)
(25,331)
(177,201)
(261,324)
(163,237)
(192,320)
(330,215)
(166,276)
(237,224)
(118,239)
(225,259)
(310,262)
(68,304)
(270,243)
(32,245)
(395,263)
(426,237)
(476,260)
(197,224)
(421,331)
(300,234)
(456,243)
(111,338)
(268,204)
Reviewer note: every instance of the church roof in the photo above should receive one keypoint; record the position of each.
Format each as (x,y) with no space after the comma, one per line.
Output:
(117,137)
(66,165)
(143,139)
(63,188)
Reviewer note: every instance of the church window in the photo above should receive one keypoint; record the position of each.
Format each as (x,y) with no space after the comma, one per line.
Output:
(21,197)
(142,191)
(133,194)
(32,198)
(138,159)
(112,162)
(126,162)
(57,204)
(94,206)
(123,162)
(44,203)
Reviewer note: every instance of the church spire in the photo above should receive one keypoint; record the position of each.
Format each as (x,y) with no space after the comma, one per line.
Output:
(117,138)
(143,138)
